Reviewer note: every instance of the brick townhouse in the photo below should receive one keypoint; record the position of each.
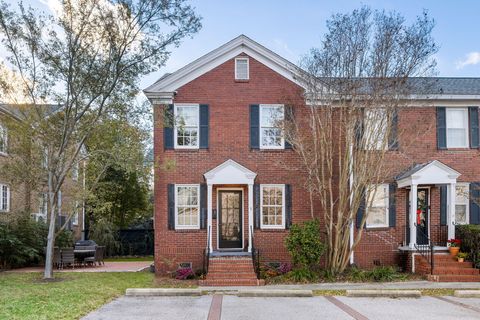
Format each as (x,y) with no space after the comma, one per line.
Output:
(17,199)
(224,182)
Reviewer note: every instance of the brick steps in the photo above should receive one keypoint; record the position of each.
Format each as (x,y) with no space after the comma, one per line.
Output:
(455,271)
(448,269)
(453,278)
(231,271)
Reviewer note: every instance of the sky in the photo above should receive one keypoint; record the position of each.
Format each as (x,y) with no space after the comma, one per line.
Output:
(291,28)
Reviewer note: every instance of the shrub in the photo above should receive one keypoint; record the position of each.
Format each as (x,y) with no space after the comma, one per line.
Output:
(184,273)
(304,244)
(302,275)
(470,236)
(105,233)
(378,274)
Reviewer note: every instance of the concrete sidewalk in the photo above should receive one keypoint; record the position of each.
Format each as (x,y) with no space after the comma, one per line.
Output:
(419,285)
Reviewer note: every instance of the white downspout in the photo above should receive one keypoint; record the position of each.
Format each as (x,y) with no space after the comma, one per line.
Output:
(352,234)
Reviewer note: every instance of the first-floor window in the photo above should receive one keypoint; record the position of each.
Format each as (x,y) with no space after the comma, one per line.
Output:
(187,210)
(5,198)
(75,213)
(272,199)
(461,203)
(377,206)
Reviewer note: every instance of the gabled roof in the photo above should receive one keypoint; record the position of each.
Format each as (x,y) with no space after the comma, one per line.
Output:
(169,83)
(432,172)
(230,172)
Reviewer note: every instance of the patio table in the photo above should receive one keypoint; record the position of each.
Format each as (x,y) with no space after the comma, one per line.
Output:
(83,253)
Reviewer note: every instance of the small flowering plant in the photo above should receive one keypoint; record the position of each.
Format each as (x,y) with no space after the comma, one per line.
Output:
(184,273)
(454,243)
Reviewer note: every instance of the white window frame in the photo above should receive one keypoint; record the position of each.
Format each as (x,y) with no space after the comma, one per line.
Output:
(75,213)
(467,202)
(268,226)
(370,124)
(467,129)
(43,197)
(4,132)
(280,147)
(7,209)
(248,68)
(175,127)
(187,227)
(387,207)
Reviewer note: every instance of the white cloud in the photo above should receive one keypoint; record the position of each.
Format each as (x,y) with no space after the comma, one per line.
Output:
(54,5)
(471,58)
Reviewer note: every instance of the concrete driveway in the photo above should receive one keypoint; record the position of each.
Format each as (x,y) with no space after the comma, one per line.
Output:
(237,308)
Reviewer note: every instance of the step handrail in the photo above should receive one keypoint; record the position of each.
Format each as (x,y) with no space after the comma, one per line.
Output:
(426,251)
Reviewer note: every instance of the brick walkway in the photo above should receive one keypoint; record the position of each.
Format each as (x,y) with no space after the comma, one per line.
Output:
(131,266)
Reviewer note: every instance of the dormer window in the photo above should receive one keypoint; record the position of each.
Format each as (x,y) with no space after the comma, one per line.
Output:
(241,69)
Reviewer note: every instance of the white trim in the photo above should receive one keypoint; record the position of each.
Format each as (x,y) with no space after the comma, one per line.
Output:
(466,143)
(433,173)
(230,172)
(187,227)
(1,197)
(241,44)
(261,107)
(263,226)
(248,68)
(241,218)
(387,208)
(175,106)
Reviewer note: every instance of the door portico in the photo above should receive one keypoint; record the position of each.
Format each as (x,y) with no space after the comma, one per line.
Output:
(229,173)
(430,173)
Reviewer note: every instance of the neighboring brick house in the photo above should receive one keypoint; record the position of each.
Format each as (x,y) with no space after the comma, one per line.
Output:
(17,200)
(224,181)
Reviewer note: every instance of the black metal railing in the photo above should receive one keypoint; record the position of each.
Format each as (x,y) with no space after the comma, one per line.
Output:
(426,250)
(206,254)
(255,256)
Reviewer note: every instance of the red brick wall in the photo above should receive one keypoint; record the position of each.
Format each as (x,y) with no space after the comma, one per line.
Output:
(229,139)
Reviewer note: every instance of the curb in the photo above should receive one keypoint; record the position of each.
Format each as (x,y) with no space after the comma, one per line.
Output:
(467,293)
(385,293)
(274,293)
(162,292)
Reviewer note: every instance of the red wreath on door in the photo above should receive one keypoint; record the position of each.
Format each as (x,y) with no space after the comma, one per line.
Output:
(419,216)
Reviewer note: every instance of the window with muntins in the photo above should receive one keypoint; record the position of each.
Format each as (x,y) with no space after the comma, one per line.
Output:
(377,207)
(187,126)
(5,198)
(376,129)
(272,199)
(3,139)
(462,204)
(457,127)
(187,209)
(271,133)
(241,69)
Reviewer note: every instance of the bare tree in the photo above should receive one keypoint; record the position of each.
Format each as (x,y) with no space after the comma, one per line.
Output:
(86,60)
(355,81)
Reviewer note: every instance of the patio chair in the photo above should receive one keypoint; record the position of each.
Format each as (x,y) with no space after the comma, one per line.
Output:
(68,257)
(98,257)
(57,257)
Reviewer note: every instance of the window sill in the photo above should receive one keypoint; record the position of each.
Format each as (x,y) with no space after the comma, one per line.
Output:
(272,229)
(379,228)
(188,230)
(242,80)
(459,149)
(3,154)
(271,150)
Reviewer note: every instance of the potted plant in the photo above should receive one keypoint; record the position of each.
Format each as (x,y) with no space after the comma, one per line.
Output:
(454,246)
(461,256)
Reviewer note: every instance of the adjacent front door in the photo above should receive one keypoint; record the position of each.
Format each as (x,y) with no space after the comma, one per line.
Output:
(422,215)
(230,219)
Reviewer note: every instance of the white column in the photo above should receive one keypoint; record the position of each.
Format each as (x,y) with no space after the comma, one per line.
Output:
(209,209)
(413,216)
(451,210)
(250,216)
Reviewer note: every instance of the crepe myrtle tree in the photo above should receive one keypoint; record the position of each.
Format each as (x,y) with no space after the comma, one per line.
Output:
(355,82)
(86,58)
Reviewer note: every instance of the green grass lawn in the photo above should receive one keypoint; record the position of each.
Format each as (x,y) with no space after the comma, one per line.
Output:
(25,296)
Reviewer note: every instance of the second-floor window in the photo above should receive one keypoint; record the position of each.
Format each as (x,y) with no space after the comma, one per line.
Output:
(3,139)
(271,133)
(457,127)
(186,125)
(376,129)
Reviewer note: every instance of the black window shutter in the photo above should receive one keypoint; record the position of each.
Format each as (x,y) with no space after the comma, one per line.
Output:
(474,203)
(204,120)
(393,137)
(168,127)
(441,128)
(473,116)
(288,118)
(359,127)
(203,206)
(254,126)
(443,205)
(361,210)
(256,194)
(288,206)
(392,205)
(171,206)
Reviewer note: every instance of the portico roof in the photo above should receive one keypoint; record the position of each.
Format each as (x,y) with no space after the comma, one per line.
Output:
(230,172)
(432,172)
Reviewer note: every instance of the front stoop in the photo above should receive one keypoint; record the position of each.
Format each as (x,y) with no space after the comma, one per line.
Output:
(447,269)
(231,271)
